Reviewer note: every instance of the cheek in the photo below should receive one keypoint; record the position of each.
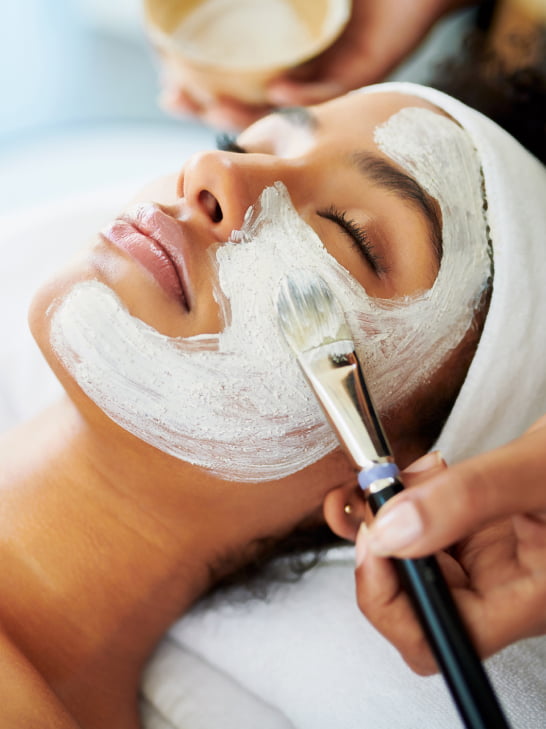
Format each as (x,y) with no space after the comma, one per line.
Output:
(145,300)
(415,266)
(234,403)
(139,291)
(47,298)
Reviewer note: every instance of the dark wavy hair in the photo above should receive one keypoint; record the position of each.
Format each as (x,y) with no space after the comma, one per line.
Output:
(515,98)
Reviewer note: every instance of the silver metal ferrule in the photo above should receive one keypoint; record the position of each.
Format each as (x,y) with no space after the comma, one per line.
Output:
(335,374)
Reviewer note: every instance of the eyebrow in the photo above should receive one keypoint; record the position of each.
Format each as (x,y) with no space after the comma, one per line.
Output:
(381,172)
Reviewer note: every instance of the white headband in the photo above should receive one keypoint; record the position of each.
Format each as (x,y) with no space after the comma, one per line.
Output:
(505,389)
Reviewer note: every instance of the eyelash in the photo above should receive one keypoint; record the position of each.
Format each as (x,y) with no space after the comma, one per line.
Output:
(358,235)
(227,143)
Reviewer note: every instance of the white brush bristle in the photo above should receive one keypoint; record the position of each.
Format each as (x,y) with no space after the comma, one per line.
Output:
(309,314)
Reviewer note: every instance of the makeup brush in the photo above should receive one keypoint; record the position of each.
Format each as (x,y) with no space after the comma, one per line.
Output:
(314,326)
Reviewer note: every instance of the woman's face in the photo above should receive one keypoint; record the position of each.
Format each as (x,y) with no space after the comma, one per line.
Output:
(321,157)
(371,217)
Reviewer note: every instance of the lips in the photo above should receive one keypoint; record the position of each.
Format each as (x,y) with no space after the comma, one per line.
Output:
(156,241)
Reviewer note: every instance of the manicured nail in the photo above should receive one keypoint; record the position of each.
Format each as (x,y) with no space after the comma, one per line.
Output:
(399,527)
(426,463)
(361,546)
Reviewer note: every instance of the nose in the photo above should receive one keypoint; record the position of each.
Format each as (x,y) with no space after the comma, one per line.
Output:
(219,187)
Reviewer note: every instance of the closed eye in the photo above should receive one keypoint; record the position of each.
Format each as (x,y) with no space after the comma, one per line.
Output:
(359,237)
(226,142)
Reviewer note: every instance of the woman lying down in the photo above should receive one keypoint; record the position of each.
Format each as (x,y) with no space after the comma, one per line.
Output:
(188,442)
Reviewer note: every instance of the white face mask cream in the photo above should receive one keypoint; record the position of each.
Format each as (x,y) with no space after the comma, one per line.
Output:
(236,402)
(414,335)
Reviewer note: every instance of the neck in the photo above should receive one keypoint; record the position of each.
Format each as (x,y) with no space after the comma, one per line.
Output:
(93,568)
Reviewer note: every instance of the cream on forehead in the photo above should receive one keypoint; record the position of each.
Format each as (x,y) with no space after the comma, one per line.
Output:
(236,402)
(440,156)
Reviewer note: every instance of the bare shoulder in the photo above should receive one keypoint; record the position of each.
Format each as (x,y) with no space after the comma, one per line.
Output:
(26,701)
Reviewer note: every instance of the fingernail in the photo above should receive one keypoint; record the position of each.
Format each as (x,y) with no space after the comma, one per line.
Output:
(361,546)
(168,97)
(426,463)
(310,93)
(396,529)
(170,104)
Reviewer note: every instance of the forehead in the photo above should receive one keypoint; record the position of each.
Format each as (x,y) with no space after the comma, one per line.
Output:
(346,122)
(357,115)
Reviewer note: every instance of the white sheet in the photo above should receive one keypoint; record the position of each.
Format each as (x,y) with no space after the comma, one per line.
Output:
(309,651)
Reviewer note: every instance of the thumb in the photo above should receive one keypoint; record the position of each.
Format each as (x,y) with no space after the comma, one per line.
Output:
(456,502)
(286,91)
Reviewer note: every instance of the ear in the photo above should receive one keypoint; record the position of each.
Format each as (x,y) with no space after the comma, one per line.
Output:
(344,510)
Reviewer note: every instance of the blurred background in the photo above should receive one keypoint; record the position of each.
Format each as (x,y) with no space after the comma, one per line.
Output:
(78,84)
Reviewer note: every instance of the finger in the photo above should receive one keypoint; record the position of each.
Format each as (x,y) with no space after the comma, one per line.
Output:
(377,38)
(220,112)
(423,468)
(540,423)
(347,65)
(178,103)
(228,113)
(382,601)
(333,74)
(492,620)
(286,92)
(460,500)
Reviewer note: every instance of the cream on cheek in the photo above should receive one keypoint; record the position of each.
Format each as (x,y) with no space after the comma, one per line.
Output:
(236,402)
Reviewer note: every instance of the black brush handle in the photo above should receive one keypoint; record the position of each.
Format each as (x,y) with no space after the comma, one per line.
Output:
(447,636)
